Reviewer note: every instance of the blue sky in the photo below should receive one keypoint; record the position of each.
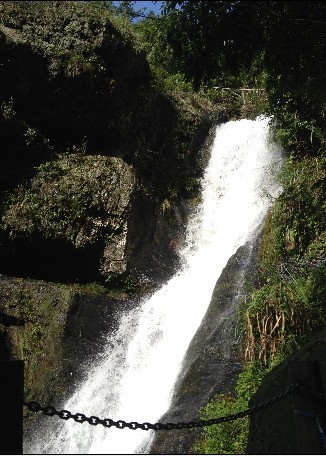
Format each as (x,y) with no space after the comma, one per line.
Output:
(150,6)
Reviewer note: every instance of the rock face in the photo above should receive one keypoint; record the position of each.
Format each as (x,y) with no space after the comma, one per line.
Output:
(153,238)
(213,360)
(99,163)
(72,74)
(66,67)
(82,218)
(76,85)
(56,329)
(75,211)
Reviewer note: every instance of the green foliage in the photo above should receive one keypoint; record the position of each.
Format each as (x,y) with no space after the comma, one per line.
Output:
(153,33)
(295,49)
(123,282)
(210,39)
(37,144)
(169,83)
(225,438)
(107,6)
(287,305)
(229,37)
(231,438)
(279,45)
(285,311)
(301,124)
(7,109)
(126,9)
(296,221)
(72,198)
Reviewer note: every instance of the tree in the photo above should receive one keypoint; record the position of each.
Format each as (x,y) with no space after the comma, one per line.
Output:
(127,9)
(219,40)
(211,39)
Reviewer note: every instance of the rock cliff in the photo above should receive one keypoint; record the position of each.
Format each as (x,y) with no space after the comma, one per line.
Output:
(99,165)
(93,148)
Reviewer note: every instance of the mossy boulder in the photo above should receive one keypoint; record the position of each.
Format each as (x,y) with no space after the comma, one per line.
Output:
(69,70)
(72,73)
(75,209)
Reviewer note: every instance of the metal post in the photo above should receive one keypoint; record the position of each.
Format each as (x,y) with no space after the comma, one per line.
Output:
(11,409)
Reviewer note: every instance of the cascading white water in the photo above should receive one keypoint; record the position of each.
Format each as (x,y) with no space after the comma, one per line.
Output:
(133,380)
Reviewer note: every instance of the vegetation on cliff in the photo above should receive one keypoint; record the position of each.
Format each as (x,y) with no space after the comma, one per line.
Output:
(32,322)
(74,75)
(93,138)
(75,78)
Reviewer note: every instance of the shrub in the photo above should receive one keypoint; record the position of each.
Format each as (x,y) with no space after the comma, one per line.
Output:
(231,438)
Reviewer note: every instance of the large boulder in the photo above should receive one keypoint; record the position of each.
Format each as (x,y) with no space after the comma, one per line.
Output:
(71,222)
(70,72)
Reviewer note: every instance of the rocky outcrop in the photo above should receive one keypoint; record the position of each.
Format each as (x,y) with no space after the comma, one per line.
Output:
(67,67)
(57,330)
(71,74)
(75,211)
(153,239)
(82,218)
(75,84)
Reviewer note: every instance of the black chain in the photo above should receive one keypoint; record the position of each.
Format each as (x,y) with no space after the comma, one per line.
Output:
(120,424)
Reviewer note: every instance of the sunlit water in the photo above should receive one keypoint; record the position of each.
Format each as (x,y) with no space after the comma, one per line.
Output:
(133,380)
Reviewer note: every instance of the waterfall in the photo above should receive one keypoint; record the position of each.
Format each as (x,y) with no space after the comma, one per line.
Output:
(134,379)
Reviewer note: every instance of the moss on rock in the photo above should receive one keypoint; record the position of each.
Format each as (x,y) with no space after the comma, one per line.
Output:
(56,330)
(33,316)
(79,199)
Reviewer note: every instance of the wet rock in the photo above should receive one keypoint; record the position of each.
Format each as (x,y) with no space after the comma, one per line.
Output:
(58,330)
(213,360)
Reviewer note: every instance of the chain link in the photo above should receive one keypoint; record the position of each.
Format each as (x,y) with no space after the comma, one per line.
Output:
(120,424)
